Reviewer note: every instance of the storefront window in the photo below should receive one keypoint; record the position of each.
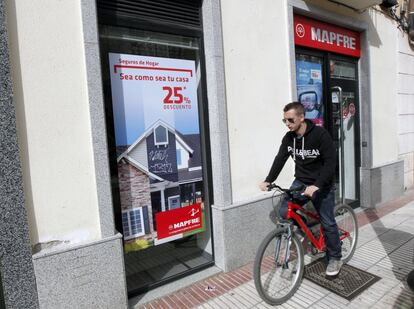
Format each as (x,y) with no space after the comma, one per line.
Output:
(152,93)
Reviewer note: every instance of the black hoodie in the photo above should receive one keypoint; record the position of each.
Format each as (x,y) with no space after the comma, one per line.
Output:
(314,155)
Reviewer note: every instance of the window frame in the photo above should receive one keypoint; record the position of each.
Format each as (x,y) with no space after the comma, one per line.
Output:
(128,212)
(156,143)
(173,197)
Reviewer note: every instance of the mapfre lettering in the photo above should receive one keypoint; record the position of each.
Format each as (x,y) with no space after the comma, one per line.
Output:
(186,223)
(333,38)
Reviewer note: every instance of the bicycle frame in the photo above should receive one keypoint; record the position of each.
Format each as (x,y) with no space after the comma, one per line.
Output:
(318,243)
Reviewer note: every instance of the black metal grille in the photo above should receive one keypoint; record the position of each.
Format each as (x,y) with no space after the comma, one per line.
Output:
(350,281)
(184,12)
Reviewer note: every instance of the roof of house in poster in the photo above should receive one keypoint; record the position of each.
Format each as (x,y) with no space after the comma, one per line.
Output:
(161,163)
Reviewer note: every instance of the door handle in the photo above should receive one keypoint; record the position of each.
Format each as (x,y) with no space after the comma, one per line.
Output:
(341,139)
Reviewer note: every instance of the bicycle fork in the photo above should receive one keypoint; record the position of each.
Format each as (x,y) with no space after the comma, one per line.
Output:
(288,238)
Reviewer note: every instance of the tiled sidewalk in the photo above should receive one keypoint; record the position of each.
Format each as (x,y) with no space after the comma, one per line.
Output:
(385,248)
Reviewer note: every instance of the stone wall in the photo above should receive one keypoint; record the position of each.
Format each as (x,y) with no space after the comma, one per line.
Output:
(134,190)
(16,266)
(134,186)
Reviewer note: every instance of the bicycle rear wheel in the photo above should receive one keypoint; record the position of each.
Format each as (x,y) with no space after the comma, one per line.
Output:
(348,230)
(277,275)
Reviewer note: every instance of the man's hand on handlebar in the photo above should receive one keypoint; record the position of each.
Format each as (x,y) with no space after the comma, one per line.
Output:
(310,190)
(264,186)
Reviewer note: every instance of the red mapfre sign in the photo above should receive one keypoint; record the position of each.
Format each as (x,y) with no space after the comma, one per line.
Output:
(315,34)
(178,221)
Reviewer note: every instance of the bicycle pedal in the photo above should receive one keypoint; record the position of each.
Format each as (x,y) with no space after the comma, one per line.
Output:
(316,252)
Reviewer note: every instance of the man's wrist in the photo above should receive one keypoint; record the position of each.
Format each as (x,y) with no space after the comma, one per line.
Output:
(318,185)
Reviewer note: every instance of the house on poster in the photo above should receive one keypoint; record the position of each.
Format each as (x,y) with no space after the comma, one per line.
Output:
(157,178)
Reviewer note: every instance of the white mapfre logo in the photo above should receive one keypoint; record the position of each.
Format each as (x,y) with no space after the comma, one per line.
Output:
(193,212)
(186,223)
(300,30)
(333,38)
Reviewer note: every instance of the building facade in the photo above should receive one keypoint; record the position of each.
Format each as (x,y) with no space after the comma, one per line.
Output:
(135,134)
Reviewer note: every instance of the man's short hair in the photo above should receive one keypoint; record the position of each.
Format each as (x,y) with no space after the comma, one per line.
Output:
(297,106)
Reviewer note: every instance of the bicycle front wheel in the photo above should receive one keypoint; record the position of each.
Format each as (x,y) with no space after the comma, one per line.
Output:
(278,267)
(348,230)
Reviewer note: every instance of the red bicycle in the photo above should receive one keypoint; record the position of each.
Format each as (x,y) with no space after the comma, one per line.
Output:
(279,263)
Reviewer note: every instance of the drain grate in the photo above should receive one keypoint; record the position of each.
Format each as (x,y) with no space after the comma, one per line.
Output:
(350,281)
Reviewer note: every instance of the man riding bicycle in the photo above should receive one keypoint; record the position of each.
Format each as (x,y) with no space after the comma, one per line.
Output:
(312,149)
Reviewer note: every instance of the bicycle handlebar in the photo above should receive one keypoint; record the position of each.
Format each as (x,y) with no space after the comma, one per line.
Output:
(290,192)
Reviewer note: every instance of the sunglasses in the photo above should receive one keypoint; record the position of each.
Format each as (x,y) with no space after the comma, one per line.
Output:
(285,120)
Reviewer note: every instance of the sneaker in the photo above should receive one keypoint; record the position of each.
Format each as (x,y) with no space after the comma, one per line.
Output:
(334,266)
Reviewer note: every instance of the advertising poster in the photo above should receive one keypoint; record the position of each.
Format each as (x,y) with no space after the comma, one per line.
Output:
(309,89)
(157,137)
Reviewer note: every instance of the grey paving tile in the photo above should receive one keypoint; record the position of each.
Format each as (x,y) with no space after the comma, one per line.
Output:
(232,301)
(307,297)
(395,237)
(300,301)
(406,227)
(397,302)
(385,273)
(314,288)
(290,304)
(390,220)
(261,306)
(329,302)
(208,306)
(336,298)
(360,263)
(320,305)
(244,298)
(250,294)
(219,303)
(361,302)
(264,305)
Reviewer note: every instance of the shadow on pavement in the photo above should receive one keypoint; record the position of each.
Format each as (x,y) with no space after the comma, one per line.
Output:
(398,245)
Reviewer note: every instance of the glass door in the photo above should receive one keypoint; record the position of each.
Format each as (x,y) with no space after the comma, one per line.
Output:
(327,86)
(343,124)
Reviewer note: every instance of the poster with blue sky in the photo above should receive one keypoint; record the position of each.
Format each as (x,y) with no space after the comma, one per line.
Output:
(147,89)
(309,89)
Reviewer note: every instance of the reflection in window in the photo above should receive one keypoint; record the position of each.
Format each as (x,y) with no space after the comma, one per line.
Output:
(174,202)
(342,69)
